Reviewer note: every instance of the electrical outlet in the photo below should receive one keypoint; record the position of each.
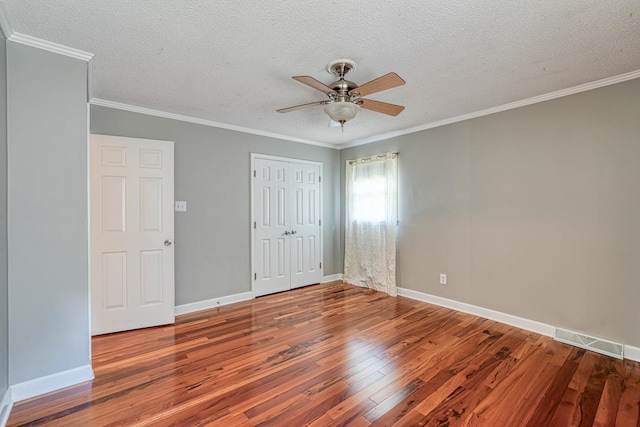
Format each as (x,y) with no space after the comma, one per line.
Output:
(181,206)
(443,279)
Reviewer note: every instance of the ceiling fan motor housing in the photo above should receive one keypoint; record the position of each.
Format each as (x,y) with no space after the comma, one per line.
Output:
(342,87)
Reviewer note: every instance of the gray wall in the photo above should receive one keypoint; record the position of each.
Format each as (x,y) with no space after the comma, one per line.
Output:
(47,198)
(532,212)
(4,340)
(212,173)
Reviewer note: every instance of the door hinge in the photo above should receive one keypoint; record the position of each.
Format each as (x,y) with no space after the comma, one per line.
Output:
(319,179)
(254,224)
(319,222)
(255,276)
(320,265)
(254,173)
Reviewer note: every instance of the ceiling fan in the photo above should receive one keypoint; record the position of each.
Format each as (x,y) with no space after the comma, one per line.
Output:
(345,97)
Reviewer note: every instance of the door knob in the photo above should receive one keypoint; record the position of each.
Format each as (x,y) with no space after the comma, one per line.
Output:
(168,242)
(293,231)
(286,233)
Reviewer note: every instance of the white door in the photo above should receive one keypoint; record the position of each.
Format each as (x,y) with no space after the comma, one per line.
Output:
(306,262)
(272,227)
(132,255)
(286,244)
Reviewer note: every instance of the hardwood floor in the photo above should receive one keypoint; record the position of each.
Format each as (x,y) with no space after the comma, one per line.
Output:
(334,354)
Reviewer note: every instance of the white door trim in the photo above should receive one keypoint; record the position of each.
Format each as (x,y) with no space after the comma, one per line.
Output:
(251,207)
(283,159)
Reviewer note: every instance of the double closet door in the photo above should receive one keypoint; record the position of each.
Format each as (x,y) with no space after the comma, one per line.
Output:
(286,224)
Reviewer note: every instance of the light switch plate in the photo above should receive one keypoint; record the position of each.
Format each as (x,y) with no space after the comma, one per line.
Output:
(181,206)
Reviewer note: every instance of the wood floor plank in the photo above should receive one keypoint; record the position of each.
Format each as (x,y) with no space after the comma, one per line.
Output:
(547,407)
(610,400)
(339,355)
(568,410)
(590,399)
(629,407)
(470,390)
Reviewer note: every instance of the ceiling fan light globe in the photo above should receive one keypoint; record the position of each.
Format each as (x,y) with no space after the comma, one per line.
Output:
(341,111)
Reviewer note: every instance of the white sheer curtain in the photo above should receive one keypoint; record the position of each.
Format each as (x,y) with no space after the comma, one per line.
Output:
(371,222)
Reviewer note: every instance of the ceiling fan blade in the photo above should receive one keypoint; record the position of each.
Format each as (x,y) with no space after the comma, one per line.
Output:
(385,82)
(382,107)
(310,81)
(300,107)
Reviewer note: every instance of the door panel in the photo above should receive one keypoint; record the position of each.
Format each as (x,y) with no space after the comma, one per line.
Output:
(150,158)
(270,198)
(151,277)
(150,205)
(132,271)
(114,278)
(286,235)
(299,255)
(306,186)
(113,204)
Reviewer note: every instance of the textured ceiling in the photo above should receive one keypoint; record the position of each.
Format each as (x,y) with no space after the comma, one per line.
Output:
(232,61)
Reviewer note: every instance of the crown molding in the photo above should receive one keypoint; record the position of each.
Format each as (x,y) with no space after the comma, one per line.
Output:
(166,115)
(510,106)
(50,46)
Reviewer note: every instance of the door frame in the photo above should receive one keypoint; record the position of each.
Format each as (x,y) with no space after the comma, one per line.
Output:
(252,169)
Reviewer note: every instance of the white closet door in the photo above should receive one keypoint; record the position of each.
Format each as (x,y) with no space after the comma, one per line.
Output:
(286,244)
(271,245)
(305,246)
(132,256)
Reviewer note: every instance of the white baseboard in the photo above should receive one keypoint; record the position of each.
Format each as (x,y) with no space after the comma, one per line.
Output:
(212,303)
(230,299)
(332,278)
(5,407)
(49,383)
(518,322)
(632,353)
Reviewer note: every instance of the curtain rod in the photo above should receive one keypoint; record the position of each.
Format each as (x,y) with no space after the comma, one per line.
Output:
(373,158)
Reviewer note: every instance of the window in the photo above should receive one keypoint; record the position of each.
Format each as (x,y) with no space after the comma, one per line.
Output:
(369,199)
